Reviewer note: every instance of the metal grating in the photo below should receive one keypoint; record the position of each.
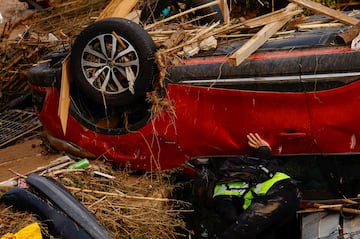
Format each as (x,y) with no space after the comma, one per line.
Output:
(16,123)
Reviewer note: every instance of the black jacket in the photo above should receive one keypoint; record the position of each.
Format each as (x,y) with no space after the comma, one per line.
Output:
(251,169)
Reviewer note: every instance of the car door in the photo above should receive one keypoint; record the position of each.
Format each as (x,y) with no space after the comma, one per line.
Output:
(215,115)
(333,98)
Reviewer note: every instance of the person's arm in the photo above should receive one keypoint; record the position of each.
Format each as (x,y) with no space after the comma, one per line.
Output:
(262,147)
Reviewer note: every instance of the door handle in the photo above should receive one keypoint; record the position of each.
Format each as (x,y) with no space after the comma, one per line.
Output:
(293,135)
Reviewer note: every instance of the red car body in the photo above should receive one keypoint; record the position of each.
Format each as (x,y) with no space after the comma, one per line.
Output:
(302,99)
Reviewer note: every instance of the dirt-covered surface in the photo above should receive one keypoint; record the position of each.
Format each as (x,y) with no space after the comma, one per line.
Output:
(29,154)
(10,10)
(24,157)
(129,204)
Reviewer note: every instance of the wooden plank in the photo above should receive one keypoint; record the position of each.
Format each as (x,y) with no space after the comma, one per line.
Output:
(308,26)
(225,11)
(347,4)
(347,36)
(339,208)
(263,18)
(261,37)
(64,100)
(256,41)
(269,18)
(342,17)
(118,8)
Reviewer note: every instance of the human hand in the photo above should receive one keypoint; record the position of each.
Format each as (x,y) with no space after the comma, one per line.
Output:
(255,141)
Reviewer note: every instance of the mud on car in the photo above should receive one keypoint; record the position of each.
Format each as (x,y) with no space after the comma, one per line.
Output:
(299,91)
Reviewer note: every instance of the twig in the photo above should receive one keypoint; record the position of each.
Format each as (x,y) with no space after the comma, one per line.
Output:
(121,195)
(18,174)
(203,34)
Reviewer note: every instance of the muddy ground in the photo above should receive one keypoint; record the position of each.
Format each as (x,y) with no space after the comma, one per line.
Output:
(12,9)
(24,157)
(31,153)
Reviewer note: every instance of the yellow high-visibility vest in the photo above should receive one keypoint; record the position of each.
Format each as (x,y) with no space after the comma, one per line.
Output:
(241,189)
(231,189)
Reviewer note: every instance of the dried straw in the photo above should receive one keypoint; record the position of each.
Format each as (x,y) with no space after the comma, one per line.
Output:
(64,20)
(128,204)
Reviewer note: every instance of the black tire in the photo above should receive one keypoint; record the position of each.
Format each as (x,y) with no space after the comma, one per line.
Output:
(58,224)
(58,195)
(100,73)
(152,10)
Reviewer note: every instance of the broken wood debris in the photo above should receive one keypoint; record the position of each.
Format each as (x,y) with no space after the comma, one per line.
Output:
(64,101)
(345,205)
(127,205)
(272,22)
(347,36)
(68,19)
(262,36)
(342,17)
(56,164)
(118,8)
(225,10)
(19,52)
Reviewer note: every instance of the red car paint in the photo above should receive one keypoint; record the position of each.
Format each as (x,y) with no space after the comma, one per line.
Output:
(334,119)
(211,121)
(218,120)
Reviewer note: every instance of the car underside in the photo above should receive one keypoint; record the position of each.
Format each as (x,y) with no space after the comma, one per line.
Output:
(299,91)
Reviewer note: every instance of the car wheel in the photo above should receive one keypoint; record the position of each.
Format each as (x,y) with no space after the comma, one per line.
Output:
(153,10)
(112,60)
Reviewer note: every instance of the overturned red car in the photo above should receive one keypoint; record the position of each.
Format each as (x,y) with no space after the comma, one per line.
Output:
(299,92)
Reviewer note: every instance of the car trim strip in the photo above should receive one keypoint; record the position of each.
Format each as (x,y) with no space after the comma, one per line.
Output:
(272,78)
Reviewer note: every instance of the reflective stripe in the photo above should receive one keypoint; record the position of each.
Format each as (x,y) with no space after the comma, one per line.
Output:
(248,197)
(239,188)
(231,189)
(262,188)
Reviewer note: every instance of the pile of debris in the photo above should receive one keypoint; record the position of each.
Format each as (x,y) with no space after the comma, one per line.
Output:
(128,204)
(183,41)
(46,30)
(27,38)
(141,208)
